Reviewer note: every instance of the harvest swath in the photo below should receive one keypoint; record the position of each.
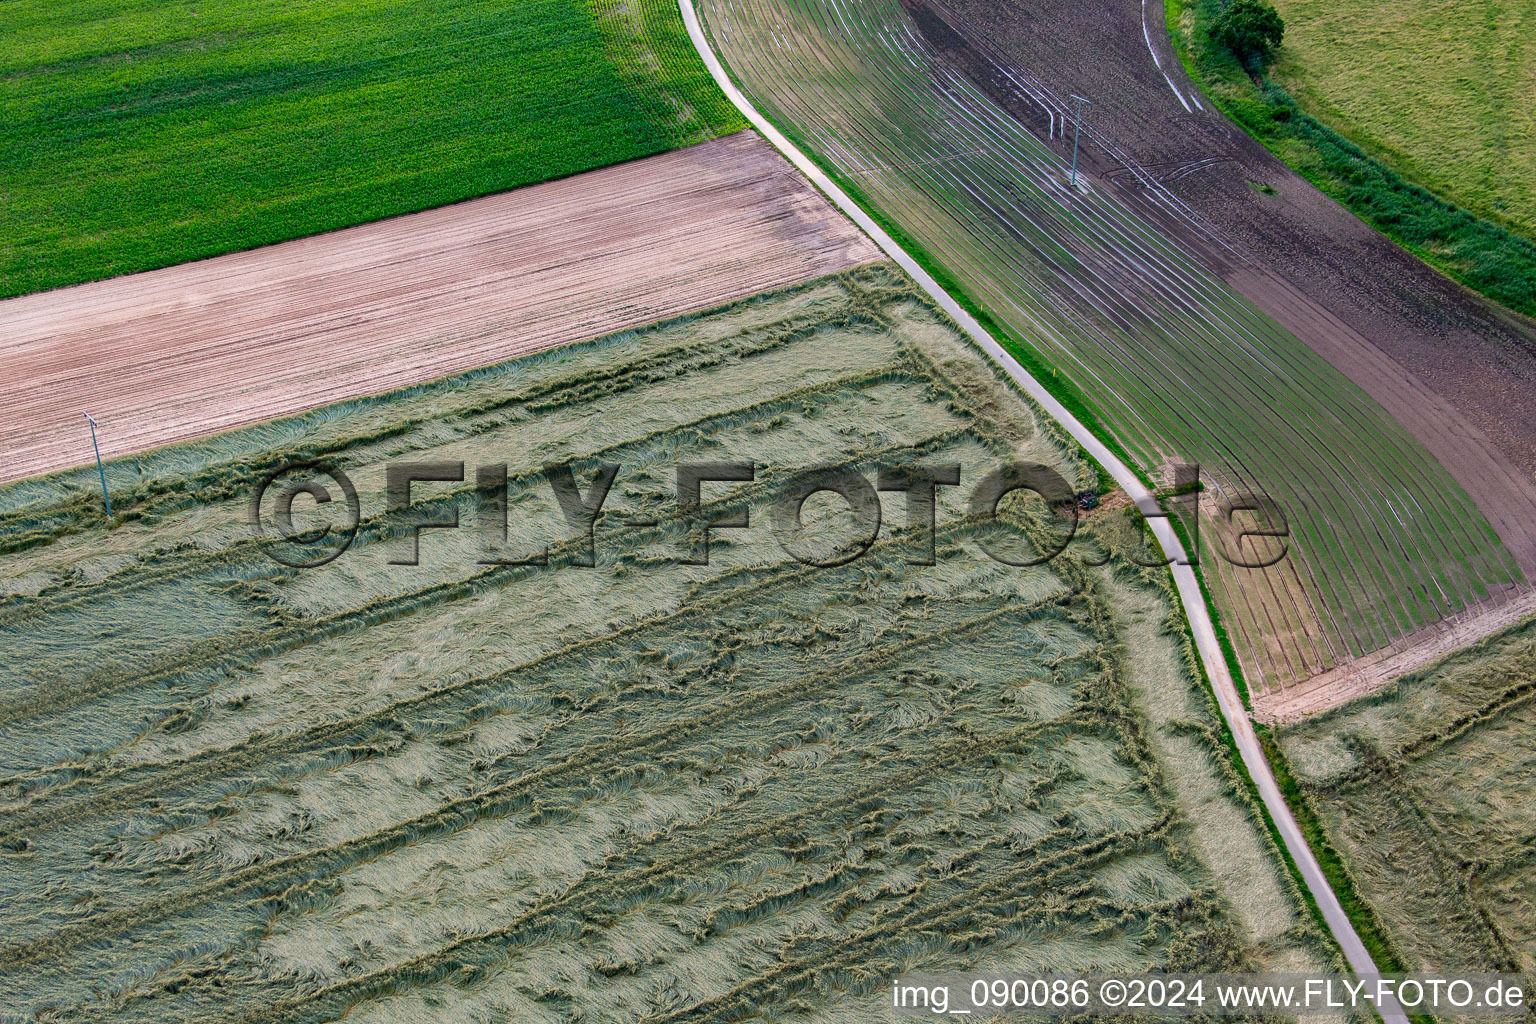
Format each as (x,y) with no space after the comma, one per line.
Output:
(640,792)
(1173,364)
(143,134)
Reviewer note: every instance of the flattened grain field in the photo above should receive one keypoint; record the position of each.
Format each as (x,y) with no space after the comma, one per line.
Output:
(1424,789)
(642,791)
(190,350)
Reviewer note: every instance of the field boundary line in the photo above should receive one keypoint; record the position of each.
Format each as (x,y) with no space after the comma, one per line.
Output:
(1188,586)
(1374,672)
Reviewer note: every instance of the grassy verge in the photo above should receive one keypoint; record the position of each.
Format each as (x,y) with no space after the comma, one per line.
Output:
(1229,744)
(1367,925)
(145,134)
(1223,639)
(1362,916)
(1482,255)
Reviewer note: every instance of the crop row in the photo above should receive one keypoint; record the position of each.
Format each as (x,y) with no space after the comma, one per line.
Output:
(1176,365)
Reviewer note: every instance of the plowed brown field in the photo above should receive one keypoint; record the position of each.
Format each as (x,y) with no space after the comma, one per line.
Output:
(190,350)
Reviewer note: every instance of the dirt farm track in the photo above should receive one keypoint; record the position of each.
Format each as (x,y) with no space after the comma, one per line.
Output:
(190,350)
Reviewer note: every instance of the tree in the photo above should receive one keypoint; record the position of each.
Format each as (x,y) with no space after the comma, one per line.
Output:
(1251,29)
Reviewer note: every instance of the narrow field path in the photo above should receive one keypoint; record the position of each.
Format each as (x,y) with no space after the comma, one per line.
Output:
(191,350)
(1188,586)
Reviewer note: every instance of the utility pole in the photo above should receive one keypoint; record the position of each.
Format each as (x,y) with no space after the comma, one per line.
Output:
(1075,133)
(99,471)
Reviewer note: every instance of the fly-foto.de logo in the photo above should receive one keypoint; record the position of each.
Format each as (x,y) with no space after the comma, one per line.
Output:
(708,497)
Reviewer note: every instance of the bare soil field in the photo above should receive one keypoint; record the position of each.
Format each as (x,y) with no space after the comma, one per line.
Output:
(194,349)
(1457,371)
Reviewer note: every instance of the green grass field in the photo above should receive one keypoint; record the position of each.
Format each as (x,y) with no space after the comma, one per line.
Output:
(1424,792)
(639,791)
(1463,130)
(1443,92)
(142,134)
